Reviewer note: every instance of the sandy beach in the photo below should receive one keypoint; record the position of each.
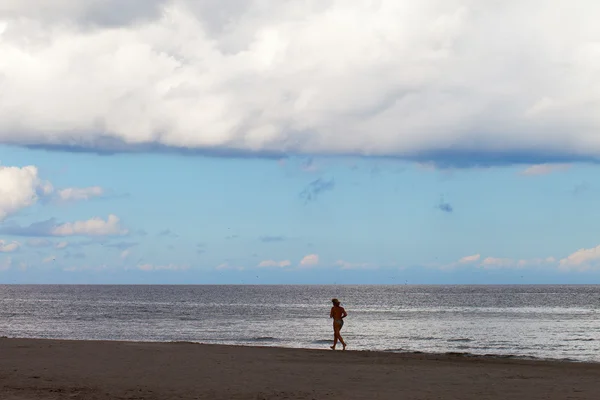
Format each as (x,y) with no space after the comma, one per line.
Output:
(60,369)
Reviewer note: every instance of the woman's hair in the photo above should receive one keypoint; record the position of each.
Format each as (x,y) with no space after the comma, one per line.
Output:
(335,301)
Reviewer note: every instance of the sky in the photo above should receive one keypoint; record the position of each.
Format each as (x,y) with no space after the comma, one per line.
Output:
(321,142)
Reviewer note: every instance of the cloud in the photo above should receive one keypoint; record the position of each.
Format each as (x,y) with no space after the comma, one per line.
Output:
(95,13)
(272,263)
(61,245)
(445,206)
(440,80)
(315,188)
(6,247)
(309,260)
(125,254)
(475,261)
(544,169)
(168,267)
(72,194)
(49,259)
(42,228)
(270,239)
(93,227)
(470,259)
(20,187)
(582,260)
(495,262)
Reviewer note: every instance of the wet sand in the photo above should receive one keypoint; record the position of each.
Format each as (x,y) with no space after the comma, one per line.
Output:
(33,369)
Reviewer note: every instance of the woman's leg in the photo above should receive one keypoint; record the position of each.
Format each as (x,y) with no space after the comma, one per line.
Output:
(341,340)
(335,336)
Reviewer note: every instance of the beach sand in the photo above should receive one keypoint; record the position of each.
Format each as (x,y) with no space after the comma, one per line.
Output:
(99,370)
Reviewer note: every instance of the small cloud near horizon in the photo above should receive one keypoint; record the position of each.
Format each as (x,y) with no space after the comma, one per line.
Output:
(92,227)
(273,263)
(309,260)
(9,247)
(544,169)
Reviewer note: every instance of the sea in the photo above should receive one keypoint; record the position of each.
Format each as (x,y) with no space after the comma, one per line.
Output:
(522,321)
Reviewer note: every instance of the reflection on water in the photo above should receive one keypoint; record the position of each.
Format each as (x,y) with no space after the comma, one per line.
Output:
(535,321)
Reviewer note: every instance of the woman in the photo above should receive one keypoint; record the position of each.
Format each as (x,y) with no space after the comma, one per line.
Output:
(338,314)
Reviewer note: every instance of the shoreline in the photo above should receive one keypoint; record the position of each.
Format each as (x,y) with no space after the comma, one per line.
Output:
(453,354)
(51,369)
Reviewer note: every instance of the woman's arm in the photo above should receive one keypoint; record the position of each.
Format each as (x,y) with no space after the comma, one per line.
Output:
(344,313)
(331,313)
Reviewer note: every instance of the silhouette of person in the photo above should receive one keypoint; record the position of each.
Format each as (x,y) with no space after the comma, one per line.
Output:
(338,314)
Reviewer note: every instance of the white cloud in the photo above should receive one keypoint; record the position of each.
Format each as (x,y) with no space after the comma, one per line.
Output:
(470,259)
(460,263)
(495,262)
(125,254)
(273,263)
(393,77)
(535,262)
(49,259)
(19,187)
(309,260)
(80,193)
(582,260)
(61,245)
(168,267)
(6,247)
(544,169)
(92,227)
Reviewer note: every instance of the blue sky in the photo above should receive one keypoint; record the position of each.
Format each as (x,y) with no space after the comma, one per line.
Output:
(189,219)
(178,141)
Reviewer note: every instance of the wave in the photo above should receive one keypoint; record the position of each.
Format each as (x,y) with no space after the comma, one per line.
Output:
(322,341)
(422,338)
(401,350)
(263,339)
(460,340)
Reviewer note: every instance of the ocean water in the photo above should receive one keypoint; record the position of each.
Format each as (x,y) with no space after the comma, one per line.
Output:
(552,322)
